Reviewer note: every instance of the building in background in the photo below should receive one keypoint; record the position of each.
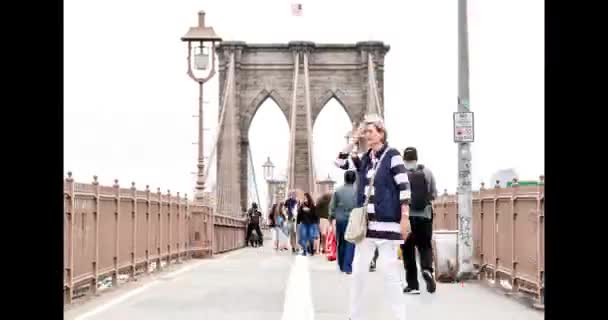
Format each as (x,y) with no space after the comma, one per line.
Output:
(504,176)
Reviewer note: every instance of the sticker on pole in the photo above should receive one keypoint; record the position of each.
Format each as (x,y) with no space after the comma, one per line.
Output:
(463,127)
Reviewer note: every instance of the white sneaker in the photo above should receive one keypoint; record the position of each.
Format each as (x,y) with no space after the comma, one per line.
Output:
(409,290)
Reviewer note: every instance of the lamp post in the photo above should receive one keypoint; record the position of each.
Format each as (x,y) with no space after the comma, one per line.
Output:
(326,186)
(359,141)
(268,167)
(202,37)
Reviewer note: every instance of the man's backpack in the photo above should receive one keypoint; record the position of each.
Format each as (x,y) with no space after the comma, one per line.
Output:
(419,186)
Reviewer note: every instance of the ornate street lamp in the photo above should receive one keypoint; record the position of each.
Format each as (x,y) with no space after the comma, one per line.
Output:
(201,36)
(268,169)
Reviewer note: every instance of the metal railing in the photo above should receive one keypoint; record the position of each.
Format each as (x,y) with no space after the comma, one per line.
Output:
(508,233)
(112,231)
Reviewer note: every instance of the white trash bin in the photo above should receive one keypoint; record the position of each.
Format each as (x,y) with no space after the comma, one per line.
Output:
(445,251)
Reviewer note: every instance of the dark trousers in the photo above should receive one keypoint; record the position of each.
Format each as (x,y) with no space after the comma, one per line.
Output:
(346,250)
(250,228)
(420,237)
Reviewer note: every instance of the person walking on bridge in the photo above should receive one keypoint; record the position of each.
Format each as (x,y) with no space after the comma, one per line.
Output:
(282,226)
(424,191)
(342,202)
(307,220)
(291,205)
(274,222)
(342,162)
(254,216)
(388,216)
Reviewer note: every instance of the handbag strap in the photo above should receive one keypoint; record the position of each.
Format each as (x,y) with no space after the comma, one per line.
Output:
(371,180)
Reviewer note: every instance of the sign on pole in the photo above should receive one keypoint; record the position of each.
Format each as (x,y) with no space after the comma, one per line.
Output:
(463,127)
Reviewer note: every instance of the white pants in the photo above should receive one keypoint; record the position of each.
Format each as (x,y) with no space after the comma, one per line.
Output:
(278,235)
(390,266)
(275,233)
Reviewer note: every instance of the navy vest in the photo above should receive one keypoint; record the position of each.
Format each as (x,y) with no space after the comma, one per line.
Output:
(386,194)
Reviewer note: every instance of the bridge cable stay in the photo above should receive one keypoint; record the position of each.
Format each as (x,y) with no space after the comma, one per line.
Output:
(251,173)
(220,128)
(373,99)
(227,87)
(311,177)
(292,125)
(231,204)
(373,84)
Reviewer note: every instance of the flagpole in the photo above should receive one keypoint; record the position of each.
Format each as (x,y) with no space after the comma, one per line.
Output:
(297,14)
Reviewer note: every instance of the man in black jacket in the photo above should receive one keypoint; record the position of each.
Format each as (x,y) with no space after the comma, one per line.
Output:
(254,216)
(423,192)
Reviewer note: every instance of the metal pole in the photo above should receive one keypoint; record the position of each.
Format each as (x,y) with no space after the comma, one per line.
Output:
(465,199)
(267,194)
(200,181)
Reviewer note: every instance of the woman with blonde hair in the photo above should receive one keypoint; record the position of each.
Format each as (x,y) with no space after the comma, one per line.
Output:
(282,225)
(277,224)
(384,193)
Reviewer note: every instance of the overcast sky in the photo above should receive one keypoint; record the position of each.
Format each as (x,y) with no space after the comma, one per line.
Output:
(129,103)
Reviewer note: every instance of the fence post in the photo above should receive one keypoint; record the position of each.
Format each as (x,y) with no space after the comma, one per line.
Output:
(211,226)
(456,213)
(188,224)
(69,213)
(95,266)
(147,229)
(444,208)
(160,230)
(134,231)
(179,233)
(482,256)
(540,304)
(169,228)
(117,228)
(514,259)
(495,244)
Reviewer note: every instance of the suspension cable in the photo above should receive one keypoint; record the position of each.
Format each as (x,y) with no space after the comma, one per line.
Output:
(292,125)
(311,178)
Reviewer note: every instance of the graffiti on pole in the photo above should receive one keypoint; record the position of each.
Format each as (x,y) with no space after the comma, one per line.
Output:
(465,231)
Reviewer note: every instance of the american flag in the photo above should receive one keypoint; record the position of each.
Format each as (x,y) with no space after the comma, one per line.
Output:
(296,9)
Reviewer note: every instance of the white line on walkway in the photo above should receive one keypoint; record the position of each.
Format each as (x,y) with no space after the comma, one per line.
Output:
(147,286)
(298,295)
(117,300)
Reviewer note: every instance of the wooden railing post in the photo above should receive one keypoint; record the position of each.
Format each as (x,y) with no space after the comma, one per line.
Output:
(540,304)
(482,256)
(444,209)
(169,235)
(179,234)
(95,265)
(117,228)
(147,229)
(69,216)
(495,232)
(211,226)
(514,259)
(188,224)
(160,230)
(133,231)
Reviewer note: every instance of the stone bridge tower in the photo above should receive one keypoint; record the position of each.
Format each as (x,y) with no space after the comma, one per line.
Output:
(266,71)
